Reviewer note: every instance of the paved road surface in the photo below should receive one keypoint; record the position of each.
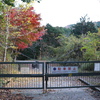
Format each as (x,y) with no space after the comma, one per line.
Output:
(59,94)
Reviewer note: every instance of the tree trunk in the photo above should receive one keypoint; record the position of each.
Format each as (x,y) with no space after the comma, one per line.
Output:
(6,39)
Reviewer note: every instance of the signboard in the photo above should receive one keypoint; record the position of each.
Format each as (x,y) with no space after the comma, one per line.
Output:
(64,69)
(25,70)
(97,67)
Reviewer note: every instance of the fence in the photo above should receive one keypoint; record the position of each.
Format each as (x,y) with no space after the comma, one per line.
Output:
(49,75)
(21,75)
(72,74)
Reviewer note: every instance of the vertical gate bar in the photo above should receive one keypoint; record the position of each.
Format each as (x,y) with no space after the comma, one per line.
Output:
(11,68)
(46,76)
(43,75)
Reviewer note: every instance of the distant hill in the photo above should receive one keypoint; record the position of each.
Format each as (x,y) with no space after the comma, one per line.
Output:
(69,26)
(97,23)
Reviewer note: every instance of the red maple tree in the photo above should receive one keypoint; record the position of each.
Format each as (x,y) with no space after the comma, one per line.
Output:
(25,27)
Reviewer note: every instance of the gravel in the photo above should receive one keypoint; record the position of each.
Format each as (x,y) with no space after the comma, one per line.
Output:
(61,94)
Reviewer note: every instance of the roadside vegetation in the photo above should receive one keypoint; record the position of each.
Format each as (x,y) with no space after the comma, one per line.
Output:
(23,38)
(27,41)
(19,28)
(66,44)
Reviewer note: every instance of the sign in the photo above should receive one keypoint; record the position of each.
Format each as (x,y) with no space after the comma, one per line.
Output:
(25,70)
(64,69)
(97,67)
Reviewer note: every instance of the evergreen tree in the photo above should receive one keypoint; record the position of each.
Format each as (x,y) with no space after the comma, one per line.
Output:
(83,27)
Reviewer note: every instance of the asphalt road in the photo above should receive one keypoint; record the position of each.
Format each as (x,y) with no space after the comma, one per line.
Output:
(59,94)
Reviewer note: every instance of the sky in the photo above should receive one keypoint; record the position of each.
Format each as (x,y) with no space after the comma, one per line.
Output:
(66,12)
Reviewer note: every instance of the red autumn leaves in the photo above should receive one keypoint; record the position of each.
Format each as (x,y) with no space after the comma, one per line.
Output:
(26,27)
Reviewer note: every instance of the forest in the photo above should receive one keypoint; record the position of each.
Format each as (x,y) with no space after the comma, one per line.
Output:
(80,42)
(23,38)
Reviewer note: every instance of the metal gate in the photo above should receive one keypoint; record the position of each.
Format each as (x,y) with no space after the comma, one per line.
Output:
(21,75)
(72,74)
(49,75)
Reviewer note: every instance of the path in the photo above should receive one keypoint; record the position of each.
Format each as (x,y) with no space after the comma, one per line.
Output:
(56,94)
(59,94)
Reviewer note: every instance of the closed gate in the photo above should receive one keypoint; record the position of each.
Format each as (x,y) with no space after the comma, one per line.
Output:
(49,75)
(72,74)
(21,75)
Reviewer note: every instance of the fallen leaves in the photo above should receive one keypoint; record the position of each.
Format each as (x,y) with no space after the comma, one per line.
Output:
(7,95)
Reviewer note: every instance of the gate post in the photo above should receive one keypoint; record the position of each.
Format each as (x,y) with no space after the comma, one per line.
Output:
(45,78)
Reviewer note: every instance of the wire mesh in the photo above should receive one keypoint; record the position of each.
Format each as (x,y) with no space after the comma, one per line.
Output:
(61,74)
(21,75)
(56,74)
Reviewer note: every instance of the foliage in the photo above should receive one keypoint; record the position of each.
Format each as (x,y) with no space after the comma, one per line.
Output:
(20,28)
(31,0)
(25,27)
(69,49)
(28,53)
(11,2)
(4,31)
(87,67)
(50,38)
(42,48)
(83,48)
(83,27)
(8,2)
(97,24)
(63,30)
(91,46)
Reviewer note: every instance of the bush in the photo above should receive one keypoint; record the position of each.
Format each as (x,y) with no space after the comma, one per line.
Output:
(87,67)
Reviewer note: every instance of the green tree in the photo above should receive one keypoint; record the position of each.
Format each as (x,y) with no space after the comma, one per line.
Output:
(31,0)
(78,49)
(9,29)
(69,49)
(50,37)
(11,2)
(52,33)
(42,48)
(8,2)
(31,52)
(91,46)
(83,27)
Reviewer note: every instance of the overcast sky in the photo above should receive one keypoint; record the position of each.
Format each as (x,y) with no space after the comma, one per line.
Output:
(65,12)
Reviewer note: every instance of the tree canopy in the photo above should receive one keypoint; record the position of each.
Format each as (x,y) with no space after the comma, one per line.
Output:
(43,47)
(10,2)
(84,26)
(19,28)
(25,27)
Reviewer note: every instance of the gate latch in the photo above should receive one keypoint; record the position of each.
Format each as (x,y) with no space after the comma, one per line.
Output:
(46,78)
